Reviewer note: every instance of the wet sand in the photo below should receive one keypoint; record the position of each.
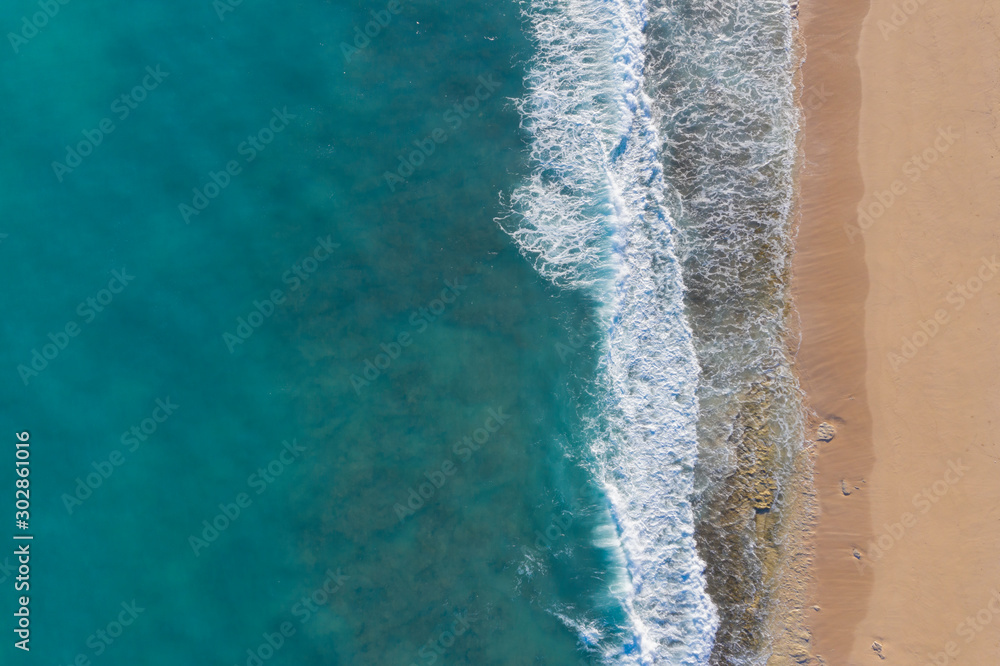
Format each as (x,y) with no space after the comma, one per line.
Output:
(899,320)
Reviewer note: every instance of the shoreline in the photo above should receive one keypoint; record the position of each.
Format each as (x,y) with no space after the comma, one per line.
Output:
(896,312)
(829,287)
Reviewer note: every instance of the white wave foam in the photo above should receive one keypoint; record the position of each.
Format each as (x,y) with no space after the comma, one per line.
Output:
(588,631)
(592,215)
(724,79)
(724,73)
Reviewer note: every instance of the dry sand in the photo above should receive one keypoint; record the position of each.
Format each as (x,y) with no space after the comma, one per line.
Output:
(900,319)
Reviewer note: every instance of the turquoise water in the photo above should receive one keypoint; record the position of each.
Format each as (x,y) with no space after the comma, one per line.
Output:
(311,194)
(358,332)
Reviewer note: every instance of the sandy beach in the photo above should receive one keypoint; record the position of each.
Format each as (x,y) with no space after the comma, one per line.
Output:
(894,280)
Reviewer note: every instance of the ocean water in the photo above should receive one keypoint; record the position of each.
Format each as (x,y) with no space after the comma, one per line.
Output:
(664,184)
(363,332)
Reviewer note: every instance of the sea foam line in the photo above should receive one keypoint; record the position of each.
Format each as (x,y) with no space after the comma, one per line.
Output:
(592,215)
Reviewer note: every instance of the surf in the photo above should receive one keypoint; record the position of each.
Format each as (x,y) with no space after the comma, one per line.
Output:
(594,215)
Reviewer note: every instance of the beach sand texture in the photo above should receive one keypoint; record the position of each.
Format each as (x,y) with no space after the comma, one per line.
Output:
(900,313)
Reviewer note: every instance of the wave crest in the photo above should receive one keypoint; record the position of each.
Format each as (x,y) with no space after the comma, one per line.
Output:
(592,215)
